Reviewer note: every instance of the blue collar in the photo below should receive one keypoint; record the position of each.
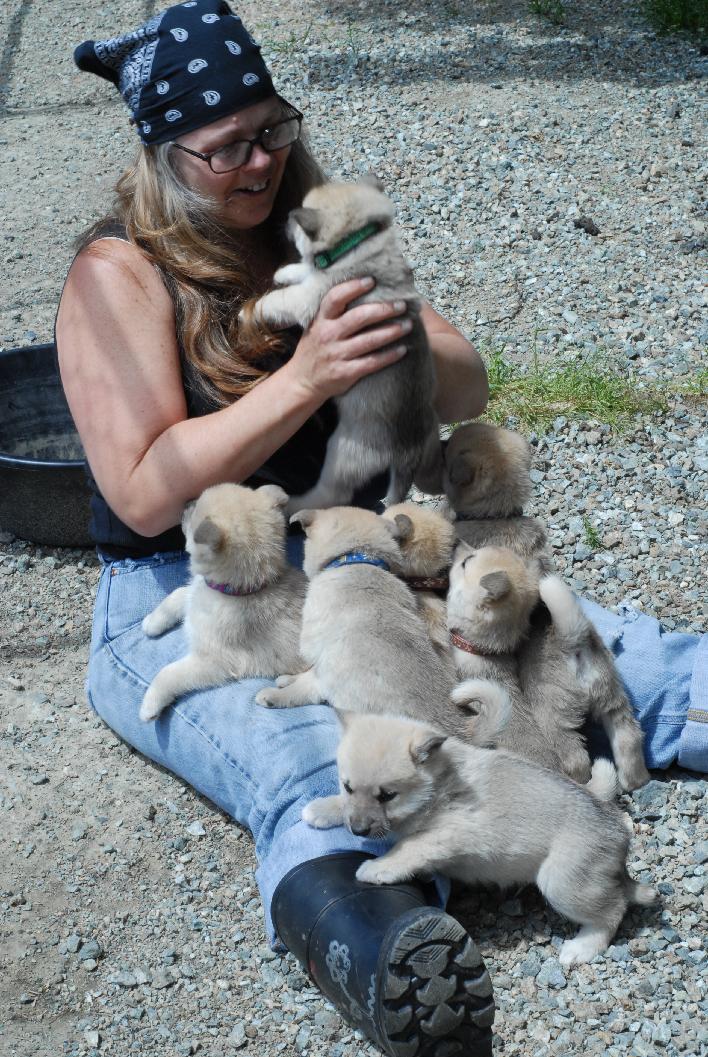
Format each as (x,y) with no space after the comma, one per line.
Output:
(356,558)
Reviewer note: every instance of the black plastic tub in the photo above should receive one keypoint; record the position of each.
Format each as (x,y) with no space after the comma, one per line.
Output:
(44,494)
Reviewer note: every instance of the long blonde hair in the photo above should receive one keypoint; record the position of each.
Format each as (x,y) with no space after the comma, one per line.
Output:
(207,277)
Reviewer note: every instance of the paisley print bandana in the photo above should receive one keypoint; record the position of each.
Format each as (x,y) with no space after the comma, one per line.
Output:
(184,68)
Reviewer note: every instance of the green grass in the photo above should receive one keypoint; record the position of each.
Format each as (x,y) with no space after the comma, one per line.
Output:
(592,536)
(590,388)
(552,10)
(668,16)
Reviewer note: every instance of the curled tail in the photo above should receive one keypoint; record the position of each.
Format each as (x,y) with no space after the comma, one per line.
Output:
(569,621)
(489,707)
(604,783)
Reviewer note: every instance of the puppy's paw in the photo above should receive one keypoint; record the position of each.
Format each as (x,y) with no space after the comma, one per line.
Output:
(152,705)
(272,697)
(285,680)
(580,950)
(323,813)
(378,872)
(152,624)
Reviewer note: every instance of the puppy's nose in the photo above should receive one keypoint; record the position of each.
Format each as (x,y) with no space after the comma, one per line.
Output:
(361,831)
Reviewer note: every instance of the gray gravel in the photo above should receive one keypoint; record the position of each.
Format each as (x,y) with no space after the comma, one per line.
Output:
(130,916)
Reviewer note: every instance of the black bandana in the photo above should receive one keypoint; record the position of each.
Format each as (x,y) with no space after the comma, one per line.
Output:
(182,69)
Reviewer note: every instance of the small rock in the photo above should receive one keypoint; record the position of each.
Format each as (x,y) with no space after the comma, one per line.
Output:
(123,979)
(587,225)
(91,949)
(72,943)
(237,1038)
(551,974)
(39,779)
(92,1038)
(162,978)
(196,829)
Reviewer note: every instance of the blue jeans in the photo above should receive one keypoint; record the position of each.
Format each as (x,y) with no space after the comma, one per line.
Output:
(262,765)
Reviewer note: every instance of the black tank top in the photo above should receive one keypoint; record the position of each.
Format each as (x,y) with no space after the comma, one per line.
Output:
(295,466)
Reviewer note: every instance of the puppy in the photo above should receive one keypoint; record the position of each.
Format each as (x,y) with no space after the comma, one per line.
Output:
(362,634)
(485,817)
(567,674)
(242,606)
(486,480)
(386,420)
(493,593)
(426,555)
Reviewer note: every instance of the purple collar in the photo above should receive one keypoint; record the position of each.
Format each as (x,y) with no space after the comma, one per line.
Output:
(227,589)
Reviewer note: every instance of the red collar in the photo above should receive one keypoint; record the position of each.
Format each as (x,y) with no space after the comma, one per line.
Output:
(469,647)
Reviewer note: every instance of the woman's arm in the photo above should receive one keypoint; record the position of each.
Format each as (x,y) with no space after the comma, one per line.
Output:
(119,363)
(462,389)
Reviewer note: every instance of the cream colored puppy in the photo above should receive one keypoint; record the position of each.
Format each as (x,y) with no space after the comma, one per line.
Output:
(484,817)
(243,604)
(363,636)
(386,420)
(426,556)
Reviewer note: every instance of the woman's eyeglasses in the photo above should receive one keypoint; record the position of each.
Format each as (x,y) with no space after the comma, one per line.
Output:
(276,136)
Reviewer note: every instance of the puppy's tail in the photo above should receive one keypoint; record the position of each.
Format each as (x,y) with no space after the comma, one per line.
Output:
(569,621)
(604,783)
(489,707)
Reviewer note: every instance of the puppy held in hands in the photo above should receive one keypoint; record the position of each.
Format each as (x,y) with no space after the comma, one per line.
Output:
(426,556)
(493,593)
(363,635)
(242,606)
(487,483)
(386,420)
(483,817)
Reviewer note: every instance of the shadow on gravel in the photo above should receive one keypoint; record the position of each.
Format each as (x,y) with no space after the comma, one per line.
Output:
(599,42)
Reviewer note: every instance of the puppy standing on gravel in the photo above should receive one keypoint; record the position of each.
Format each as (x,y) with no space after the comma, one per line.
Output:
(487,483)
(386,420)
(242,607)
(484,817)
(363,635)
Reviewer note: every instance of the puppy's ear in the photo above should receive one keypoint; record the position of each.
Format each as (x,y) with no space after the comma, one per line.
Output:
(423,747)
(460,471)
(401,528)
(304,518)
(370,179)
(308,219)
(343,717)
(277,495)
(187,514)
(210,534)
(497,585)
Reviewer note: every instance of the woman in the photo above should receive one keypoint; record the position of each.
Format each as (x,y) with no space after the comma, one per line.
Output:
(169,397)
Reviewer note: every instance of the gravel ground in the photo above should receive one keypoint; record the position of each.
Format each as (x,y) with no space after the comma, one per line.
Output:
(130,917)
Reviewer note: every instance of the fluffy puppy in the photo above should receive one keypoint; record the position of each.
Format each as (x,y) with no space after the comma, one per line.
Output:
(493,593)
(362,634)
(567,674)
(242,606)
(486,480)
(426,555)
(482,817)
(386,420)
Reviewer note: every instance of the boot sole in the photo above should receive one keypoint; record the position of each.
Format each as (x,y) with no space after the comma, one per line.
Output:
(434,997)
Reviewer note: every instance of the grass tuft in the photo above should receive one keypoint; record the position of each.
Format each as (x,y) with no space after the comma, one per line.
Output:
(669,16)
(552,10)
(591,388)
(592,536)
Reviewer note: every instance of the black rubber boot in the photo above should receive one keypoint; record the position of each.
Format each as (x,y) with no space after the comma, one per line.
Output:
(404,973)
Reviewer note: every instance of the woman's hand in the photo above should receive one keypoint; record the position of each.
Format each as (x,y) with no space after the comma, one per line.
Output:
(344,344)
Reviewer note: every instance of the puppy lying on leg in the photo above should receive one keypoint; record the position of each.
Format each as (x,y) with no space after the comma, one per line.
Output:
(483,817)
(242,606)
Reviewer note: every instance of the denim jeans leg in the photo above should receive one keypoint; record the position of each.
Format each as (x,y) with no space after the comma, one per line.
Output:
(259,765)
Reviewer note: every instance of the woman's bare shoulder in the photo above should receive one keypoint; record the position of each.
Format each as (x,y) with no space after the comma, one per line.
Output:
(119,267)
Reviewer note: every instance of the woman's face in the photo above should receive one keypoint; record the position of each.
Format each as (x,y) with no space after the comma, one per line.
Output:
(245,195)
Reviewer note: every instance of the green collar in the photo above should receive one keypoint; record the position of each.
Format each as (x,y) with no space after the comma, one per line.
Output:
(328,257)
